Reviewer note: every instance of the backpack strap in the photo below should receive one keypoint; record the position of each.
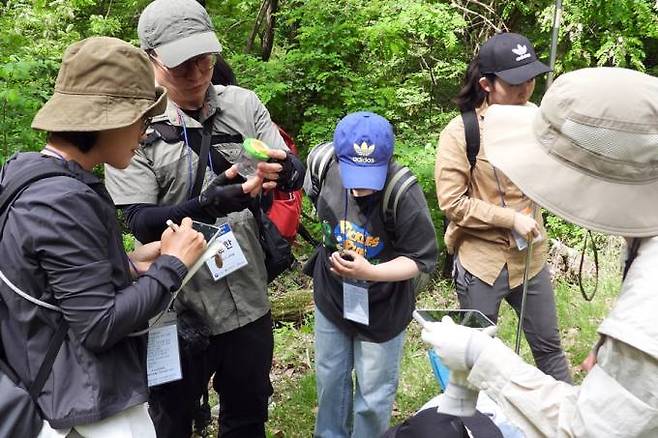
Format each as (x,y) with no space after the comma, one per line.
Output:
(206,137)
(317,165)
(321,161)
(33,172)
(40,169)
(199,140)
(46,367)
(399,182)
(472,134)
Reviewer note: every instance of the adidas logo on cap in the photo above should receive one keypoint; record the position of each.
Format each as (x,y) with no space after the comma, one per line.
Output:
(521,51)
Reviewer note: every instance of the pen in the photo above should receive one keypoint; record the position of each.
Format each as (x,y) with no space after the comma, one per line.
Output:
(172,225)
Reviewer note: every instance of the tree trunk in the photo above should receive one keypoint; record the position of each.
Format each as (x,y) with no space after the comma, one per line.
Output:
(268,34)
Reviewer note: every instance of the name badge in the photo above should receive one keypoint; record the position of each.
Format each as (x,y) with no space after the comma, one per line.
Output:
(230,256)
(355,302)
(162,354)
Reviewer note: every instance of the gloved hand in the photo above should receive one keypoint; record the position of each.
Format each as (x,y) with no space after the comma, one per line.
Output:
(457,346)
(221,198)
(284,169)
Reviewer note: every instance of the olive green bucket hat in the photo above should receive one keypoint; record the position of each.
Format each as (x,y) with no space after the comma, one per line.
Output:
(103,83)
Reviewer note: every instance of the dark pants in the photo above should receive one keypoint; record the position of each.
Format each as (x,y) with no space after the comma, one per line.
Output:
(539,322)
(241,360)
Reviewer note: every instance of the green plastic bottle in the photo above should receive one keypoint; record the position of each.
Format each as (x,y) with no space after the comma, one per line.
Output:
(253,152)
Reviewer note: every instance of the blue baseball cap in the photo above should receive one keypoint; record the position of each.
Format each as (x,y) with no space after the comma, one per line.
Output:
(363,143)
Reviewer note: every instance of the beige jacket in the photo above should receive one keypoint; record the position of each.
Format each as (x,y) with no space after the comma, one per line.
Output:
(619,396)
(480,205)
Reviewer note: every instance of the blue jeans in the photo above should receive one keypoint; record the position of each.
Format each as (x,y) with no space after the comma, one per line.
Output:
(367,408)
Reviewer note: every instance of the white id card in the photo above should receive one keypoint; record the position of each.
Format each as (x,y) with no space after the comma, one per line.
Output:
(355,302)
(162,355)
(230,253)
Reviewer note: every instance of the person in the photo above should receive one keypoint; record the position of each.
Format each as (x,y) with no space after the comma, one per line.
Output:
(589,157)
(363,278)
(229,319)
(486,210)
(62,245)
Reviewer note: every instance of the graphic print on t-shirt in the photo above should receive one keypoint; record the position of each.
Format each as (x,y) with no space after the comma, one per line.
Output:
(354,237)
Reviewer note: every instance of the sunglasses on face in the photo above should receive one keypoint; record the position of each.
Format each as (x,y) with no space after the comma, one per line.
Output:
(203,63)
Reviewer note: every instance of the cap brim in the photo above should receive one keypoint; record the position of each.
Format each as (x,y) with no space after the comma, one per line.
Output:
(519,75)
(177,52)
(362,177)
(511,145)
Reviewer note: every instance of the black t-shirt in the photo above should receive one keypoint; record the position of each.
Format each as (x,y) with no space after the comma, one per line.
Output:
(390,303)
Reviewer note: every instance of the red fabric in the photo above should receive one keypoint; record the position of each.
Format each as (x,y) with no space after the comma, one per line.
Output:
(286,208)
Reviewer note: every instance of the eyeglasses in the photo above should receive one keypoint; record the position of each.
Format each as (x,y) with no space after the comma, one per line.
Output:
(203,63)
(146,122)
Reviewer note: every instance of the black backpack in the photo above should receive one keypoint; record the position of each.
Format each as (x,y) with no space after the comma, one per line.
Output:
(472,134)
(19,412)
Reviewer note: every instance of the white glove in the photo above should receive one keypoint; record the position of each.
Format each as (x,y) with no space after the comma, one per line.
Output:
(457,346)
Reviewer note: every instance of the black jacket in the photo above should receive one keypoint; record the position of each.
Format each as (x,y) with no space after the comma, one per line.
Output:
(63,245)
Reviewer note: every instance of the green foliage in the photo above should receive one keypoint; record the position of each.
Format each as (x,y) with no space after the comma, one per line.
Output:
(401,59)
(606,33)
(570,234)
(336,57)
(33,37)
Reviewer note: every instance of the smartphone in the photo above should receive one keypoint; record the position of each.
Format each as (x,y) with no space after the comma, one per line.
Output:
(346,256)
(209,231)
(467,317)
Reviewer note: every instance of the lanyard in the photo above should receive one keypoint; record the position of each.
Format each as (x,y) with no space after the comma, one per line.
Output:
(186,140)
(181,120)
(368,214)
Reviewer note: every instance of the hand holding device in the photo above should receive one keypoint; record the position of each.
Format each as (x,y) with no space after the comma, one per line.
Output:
(222,197)
(459,347)
(467,317)
(526,226)
(346,256)
(350,264)
(183,242)
(274,168)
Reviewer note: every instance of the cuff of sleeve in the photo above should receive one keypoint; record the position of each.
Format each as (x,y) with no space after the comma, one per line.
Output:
(494,367)
(169,271)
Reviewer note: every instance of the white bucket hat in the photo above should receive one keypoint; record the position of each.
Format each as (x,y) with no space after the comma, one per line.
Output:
(589,153)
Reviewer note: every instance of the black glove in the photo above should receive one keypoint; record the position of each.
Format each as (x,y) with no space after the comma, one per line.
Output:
(220,199)
(289,177)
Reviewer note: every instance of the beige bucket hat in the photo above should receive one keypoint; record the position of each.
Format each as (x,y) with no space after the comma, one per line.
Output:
(103,83)
(589,153)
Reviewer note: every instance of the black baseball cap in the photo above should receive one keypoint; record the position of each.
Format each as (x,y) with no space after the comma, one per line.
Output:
(511,57)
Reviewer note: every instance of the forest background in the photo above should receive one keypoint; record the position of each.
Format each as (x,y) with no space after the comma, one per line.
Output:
(313,61)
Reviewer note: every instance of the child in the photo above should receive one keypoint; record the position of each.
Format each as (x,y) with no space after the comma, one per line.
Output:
(363,276)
